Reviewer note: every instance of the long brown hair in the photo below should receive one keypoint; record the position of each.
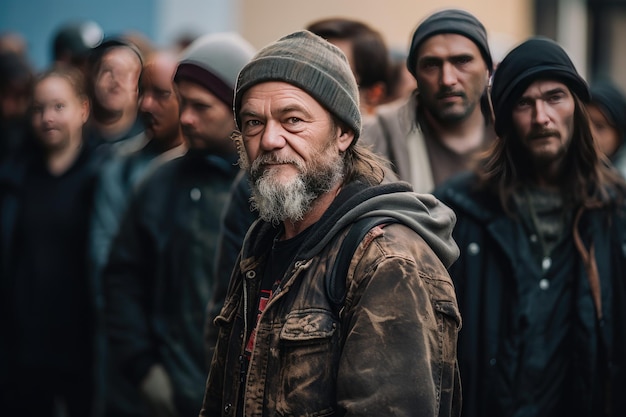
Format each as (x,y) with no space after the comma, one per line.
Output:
(363,165)
(588,180)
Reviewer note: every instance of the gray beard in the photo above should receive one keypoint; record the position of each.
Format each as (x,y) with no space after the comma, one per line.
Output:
(278,202)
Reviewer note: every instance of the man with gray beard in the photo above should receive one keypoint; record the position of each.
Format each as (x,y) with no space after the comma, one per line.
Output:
(288,344)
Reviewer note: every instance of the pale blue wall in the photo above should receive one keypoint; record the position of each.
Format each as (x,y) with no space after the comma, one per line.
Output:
(198,16)
(159,20)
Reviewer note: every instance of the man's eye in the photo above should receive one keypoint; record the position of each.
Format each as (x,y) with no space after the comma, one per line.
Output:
(429,65)
(294,120)
(462,60)
(251,127)
(555,98)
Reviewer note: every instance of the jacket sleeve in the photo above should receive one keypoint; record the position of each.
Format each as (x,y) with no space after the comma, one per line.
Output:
(236,219)
(109,204)
(127,280)
(402,323)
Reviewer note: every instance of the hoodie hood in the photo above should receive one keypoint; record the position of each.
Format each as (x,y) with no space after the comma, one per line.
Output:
(423,213)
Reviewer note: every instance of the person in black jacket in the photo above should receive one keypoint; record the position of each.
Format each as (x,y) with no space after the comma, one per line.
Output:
(46,302)
(542,231)
(159,276)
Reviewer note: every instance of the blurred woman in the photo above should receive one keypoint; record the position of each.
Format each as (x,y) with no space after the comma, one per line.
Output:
(46,300)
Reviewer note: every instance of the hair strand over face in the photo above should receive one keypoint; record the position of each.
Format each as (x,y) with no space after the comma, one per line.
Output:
(587,178)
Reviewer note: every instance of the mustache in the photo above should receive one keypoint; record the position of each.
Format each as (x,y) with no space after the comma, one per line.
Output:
(273,159)
(543,133)
(188,131)
(256,168)
(148,118)
(445,93)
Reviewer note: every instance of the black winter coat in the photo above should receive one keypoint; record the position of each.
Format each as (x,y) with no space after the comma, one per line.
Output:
(485,284)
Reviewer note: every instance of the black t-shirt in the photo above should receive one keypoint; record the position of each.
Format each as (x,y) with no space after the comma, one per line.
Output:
(280,258)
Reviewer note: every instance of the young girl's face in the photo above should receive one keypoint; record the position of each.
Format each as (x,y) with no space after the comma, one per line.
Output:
(59,113)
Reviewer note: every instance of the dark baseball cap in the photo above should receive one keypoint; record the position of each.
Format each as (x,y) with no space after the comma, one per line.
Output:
(76,38)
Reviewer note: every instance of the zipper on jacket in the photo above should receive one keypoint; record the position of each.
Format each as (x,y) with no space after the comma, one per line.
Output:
(298,267)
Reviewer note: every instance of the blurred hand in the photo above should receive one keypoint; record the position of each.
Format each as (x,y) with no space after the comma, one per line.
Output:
(156,390)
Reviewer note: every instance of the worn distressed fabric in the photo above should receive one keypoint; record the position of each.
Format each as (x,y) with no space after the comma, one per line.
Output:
(389,350)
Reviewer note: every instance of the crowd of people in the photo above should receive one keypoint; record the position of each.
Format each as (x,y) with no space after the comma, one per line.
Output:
(320,227)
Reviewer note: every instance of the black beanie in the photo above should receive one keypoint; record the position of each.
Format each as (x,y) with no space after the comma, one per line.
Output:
(454,21)
(536,58)
(612,103)
(96,54)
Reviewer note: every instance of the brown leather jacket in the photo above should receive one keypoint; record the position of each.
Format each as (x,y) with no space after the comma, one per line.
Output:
(389,350)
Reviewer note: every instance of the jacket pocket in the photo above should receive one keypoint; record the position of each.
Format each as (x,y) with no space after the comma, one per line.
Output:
(228,312)
(445,372)
(448,323)
(308,356)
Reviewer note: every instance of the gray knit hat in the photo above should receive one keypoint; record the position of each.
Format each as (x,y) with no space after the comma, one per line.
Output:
(456,21)
(213,61)
(311,63)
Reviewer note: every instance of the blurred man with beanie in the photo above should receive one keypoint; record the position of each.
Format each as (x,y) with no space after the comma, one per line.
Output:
(297,334)
(436,133)
(160,273)
(117,179)
(541,227)
(607,110)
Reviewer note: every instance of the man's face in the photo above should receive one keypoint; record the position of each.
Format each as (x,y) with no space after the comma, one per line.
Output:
(206,121)
(451,76)
(14,101)
(606,135)
(292,149)
(158,103)
(543,119)
(58,113)
(116,82)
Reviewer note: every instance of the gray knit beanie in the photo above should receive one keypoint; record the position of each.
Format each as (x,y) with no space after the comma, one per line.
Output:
(309,62)
(213,61)
(453,21)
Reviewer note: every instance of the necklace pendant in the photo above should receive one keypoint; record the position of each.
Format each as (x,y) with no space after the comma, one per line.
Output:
(546,263)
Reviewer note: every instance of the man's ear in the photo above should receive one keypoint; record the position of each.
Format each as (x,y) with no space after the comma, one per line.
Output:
(344,139)
(85,108)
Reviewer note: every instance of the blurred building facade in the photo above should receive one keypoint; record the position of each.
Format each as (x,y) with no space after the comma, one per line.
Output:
(592,31)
